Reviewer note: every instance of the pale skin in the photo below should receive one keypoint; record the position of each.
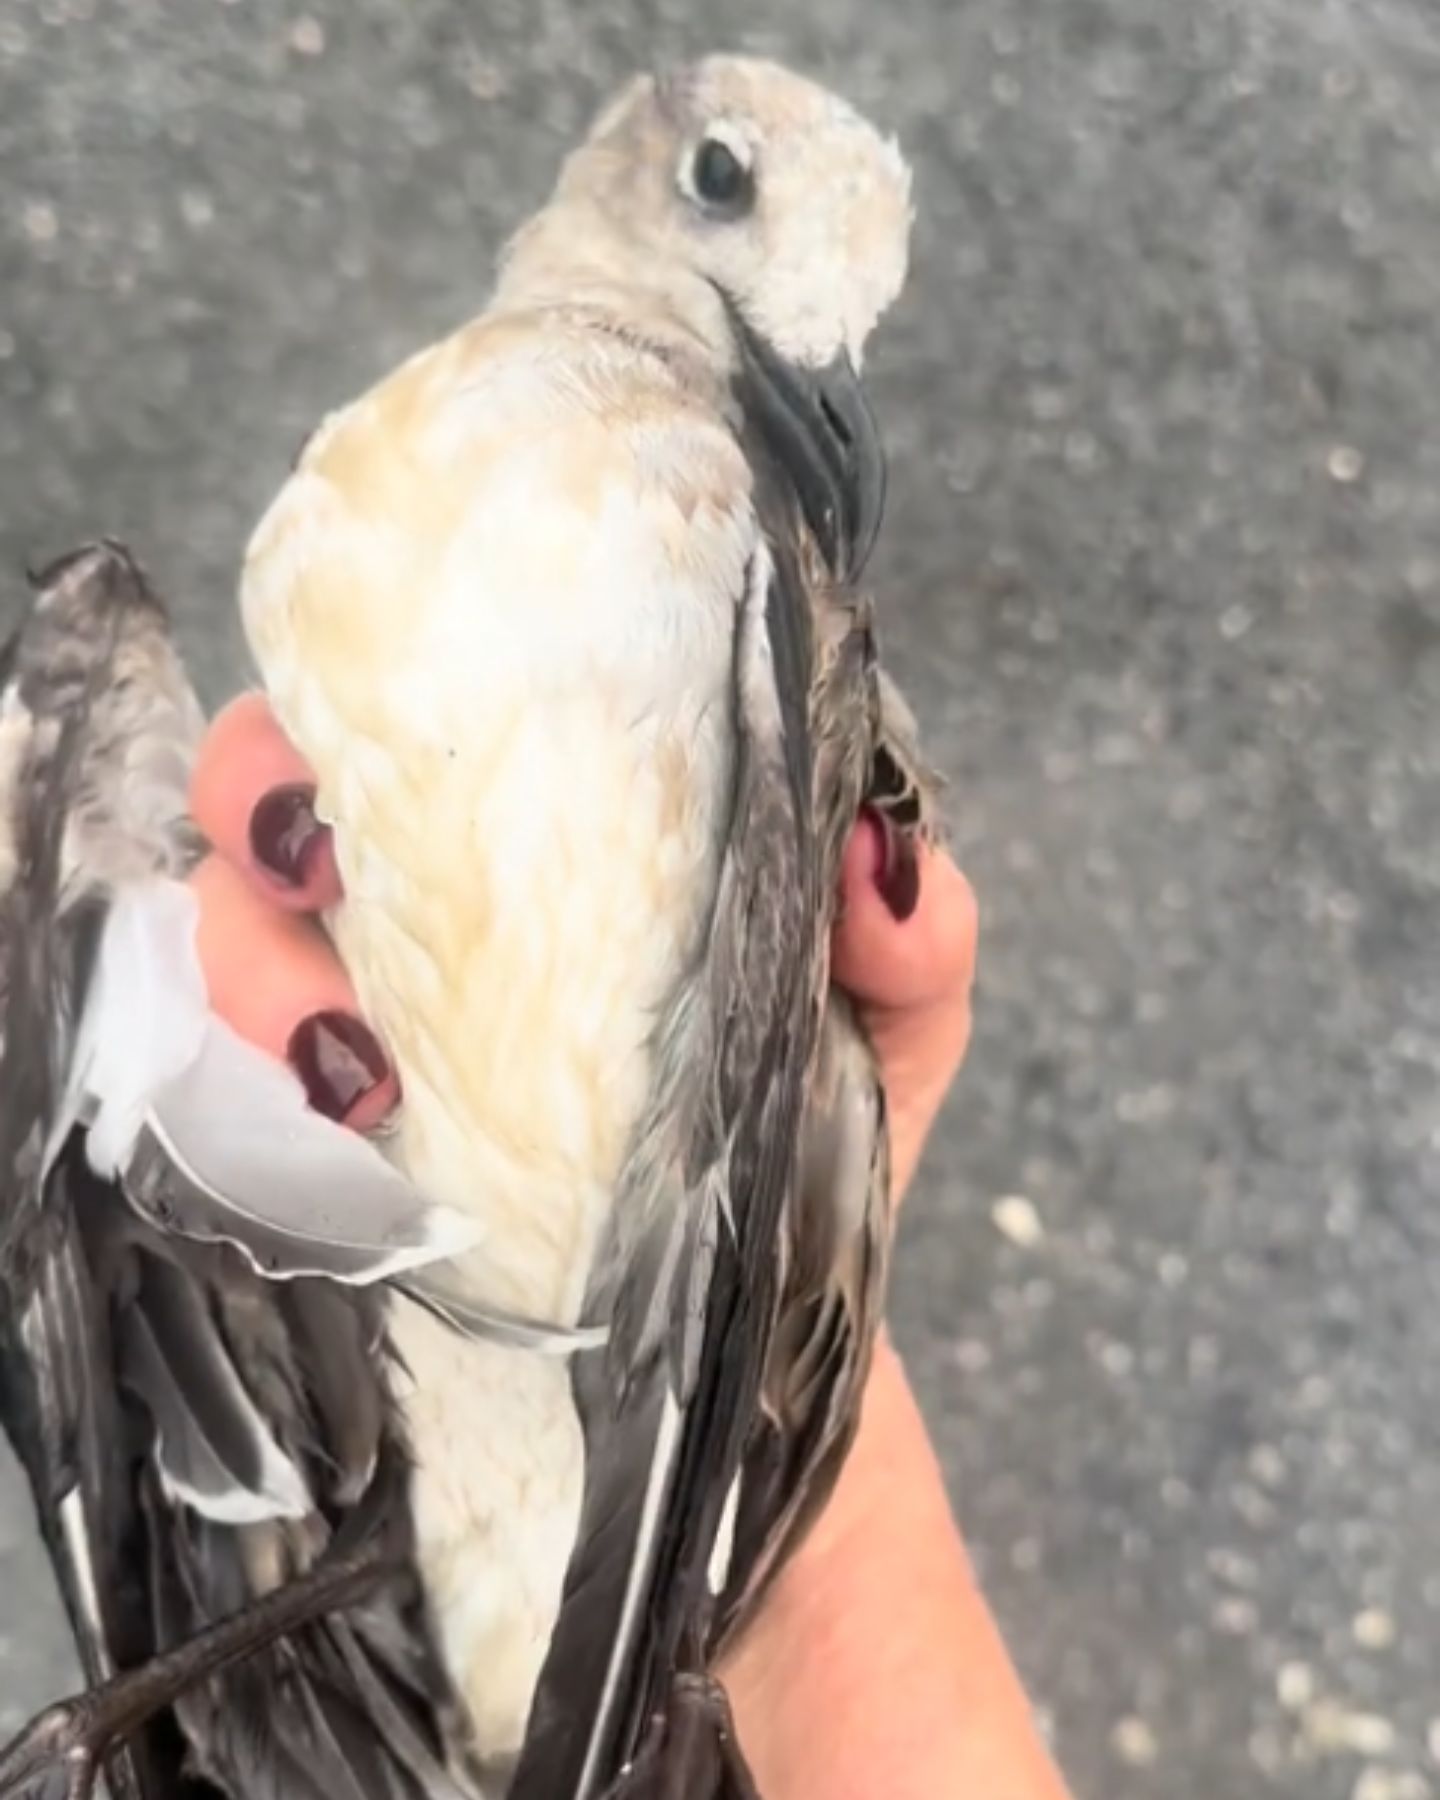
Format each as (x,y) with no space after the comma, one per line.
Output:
(875,1670)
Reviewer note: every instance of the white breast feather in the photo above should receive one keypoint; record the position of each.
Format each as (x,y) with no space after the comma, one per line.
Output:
(495,609)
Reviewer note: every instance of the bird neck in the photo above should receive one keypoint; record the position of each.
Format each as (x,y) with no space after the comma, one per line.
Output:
(561,263)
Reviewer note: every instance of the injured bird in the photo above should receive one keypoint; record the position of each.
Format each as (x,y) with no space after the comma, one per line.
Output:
(447,1463)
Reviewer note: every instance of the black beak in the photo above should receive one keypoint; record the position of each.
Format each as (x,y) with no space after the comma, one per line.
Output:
(819,425)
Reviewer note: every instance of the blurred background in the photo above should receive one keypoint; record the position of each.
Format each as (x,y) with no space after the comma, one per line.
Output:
(1162,573)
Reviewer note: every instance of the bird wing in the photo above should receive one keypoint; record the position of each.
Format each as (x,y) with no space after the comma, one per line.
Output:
(745,1279)
(836,1229)
(195,1431)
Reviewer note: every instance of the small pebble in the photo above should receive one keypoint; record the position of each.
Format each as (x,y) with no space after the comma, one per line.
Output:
(1134,1743)
(1390,1784)
(1015,1217)
(1332,1728)
(1235,1616)
(1295,1686)
(307,36)
(1267,1465)
(1373,1629)
(1116,1359)
(1345,464)
(41,224)
(197,208)
(972,1356)
(484,79)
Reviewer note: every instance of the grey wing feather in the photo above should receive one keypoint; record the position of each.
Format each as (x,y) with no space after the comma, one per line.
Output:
(214,1449)
(835,1258)
(212,1139)
(744,1309)
(668,1406)
(903,782)
(93,630)
(729,1297)
(836,1239)
(147,1381)
(836,1235)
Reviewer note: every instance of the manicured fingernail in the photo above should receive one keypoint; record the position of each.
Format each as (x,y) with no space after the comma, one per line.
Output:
(285,833)
(897,876)
(338,1060)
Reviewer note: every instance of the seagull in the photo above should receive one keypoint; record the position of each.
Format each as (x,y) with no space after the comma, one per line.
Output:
(445,1464)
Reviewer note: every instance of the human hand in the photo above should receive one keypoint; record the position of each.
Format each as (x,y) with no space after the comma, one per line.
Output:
(905,946)
(875,1667)
(911,972)
(876,1627)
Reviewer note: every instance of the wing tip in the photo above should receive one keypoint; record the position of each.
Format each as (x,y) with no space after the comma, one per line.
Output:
(103,572)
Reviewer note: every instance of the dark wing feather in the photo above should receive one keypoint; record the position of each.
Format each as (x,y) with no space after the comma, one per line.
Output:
(835,1258)
(669,1419)
(194,1435)
(64,1415)
(744,1306)
(834,1250)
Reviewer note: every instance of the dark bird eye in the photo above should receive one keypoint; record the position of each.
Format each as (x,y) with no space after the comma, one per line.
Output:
(721,181)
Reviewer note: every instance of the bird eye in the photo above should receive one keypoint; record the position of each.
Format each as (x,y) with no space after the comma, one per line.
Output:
(721,181)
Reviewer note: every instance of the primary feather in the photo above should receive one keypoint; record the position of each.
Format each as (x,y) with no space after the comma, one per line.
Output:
(187,1449)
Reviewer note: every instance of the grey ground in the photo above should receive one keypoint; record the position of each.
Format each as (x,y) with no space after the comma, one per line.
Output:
(1163,572)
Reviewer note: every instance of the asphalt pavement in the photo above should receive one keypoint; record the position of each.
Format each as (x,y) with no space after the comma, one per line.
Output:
(1162,573)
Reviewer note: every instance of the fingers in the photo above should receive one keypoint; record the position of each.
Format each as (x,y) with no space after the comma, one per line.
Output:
(253,797)
(271,972)
(273,977)
(908,927)
(905,948)
(905,945)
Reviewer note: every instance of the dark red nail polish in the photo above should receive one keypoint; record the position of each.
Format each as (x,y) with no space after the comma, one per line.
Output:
(339,1061)
(284,833)
(898,877)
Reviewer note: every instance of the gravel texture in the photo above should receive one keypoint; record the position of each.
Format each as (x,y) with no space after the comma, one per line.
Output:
(1163,574)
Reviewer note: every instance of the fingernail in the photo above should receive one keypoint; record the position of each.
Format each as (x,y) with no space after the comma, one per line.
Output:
(338,1060)
(897,878)
(284,833)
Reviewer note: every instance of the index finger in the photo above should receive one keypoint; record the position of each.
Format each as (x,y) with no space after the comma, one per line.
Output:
(909,964)
(253,796)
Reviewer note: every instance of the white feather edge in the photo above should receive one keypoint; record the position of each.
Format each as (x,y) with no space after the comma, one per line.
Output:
(151,1055)
(657,1488)
(142,1022)
(283,1496)
(237,1125)
(723,1548)
(281,1491)
(151,1060)
(74,1530)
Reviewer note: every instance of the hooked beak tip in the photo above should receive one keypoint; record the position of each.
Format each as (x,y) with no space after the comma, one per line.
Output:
(819,427)
(860,455)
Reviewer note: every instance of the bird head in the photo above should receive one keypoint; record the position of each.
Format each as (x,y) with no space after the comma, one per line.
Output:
(771,188)
(773,221)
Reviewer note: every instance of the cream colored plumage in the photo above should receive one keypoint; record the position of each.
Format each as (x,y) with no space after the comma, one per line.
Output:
(495,607)
(523,751)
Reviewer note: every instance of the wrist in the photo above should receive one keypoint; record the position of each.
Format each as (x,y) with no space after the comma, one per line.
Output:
(861,1511)
(874,1666)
